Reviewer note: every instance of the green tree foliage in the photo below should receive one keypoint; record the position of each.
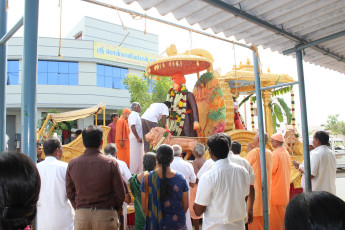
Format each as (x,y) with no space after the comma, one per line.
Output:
(336,126)
(139,89)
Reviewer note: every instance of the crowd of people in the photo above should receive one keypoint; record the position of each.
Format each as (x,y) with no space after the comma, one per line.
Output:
(169,192)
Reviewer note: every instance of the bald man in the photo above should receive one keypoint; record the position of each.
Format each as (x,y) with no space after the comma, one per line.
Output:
(253,158)
(122,137)
(281,168)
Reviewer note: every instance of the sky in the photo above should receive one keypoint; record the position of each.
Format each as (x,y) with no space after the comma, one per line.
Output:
(324,87)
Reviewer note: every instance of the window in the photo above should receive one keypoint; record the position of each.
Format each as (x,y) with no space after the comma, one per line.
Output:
(12,73)
(57,73)
(110,77)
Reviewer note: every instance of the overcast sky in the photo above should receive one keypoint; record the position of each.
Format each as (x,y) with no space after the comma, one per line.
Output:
(324,88)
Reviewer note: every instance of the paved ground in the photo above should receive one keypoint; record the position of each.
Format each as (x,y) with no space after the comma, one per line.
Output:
(340,183)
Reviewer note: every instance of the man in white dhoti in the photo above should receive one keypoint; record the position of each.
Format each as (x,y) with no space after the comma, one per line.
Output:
(136,144)
(54,211)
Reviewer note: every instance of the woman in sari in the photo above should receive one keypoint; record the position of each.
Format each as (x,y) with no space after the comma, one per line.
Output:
(149,163)
(167,194)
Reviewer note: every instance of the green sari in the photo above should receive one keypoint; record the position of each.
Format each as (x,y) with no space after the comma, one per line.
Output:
(140,218)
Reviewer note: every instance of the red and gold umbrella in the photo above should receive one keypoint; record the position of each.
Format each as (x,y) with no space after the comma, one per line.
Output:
(178,64)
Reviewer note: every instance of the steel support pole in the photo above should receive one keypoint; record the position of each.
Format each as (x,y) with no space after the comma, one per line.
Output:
(29,81)
(9,34)
(3,76)
(304,120)
(262,141)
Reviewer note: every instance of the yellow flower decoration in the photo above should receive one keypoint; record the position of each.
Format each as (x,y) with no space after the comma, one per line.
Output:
(172,93)
(178,119)
(183,88)
(180,104)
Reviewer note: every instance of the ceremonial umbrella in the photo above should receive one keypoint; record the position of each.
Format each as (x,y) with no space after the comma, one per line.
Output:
(178,64)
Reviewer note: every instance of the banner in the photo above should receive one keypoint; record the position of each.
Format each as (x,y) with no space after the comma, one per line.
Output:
(123,55)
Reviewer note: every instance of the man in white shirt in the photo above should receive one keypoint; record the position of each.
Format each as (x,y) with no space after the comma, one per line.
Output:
(323,165)
(54,211)
(205,167)
(149,120)
(234,156)
(111,150)
(222,190)
(136,145)
(187,170)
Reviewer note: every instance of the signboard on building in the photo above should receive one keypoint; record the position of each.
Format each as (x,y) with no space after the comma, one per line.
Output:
(123,55)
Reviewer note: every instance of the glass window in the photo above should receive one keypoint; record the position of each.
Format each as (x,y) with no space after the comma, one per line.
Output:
(110,76)
(57,73)
(42,67)
(12,73)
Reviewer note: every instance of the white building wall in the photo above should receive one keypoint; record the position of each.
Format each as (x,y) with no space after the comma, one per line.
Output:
(86,93)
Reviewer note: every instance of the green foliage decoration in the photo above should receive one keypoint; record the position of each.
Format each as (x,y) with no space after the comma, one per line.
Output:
(205,78)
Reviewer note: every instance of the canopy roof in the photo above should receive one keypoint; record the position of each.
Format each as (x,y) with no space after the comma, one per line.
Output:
(77,114)
(275,24)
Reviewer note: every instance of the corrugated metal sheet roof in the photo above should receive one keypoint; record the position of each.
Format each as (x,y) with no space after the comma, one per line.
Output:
(308,20)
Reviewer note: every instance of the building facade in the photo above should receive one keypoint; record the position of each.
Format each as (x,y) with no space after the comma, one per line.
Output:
(88,70)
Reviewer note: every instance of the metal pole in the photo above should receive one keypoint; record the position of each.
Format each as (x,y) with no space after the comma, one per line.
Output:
(314,43)
(29,81)
(3,76)
(165,22)
(304,120)
(15,28)
(262,141)
(280,85)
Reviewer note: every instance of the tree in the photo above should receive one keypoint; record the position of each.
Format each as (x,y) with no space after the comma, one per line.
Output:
(139,88)
(336,126)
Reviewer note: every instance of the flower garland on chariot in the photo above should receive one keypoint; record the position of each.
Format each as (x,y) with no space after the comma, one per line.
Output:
(165,135)
(177,113)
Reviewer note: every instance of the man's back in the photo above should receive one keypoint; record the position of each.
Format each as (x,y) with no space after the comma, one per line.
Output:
(185,168)
(237,159)
(323,167)
(94,180)
(222,190)
(53,209)
(155,111)
(125,173)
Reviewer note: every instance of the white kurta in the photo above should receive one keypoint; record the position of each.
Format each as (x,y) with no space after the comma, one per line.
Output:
(224,210)
(237,159)
(136,149)
(125,173)
(187,170)
(155,111)
(205,167)
(54,210)
(323,166)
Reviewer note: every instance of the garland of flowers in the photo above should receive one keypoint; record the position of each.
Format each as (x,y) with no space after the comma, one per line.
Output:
(165,134)
(177,111)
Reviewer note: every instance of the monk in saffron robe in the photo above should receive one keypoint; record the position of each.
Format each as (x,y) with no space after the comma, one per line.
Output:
(253,158)
(280,182)
(122,137)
